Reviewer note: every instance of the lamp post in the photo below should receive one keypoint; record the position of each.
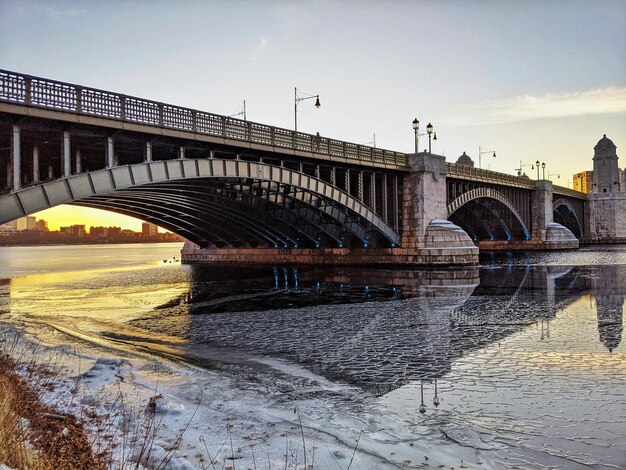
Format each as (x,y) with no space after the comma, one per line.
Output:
(522,166)
(429,130)
(480,154)
(537,163)
(240,112)
(416,129)
(543,167)
(297,97)
(550,175)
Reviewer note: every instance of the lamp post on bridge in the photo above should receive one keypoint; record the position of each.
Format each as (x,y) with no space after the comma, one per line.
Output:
(550,175)
(429,131)
(301,97)
(480,154)
(537,165)
(543,167)
(522,166)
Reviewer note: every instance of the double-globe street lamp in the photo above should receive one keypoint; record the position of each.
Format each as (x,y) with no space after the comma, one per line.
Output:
(543,167)
(429,131)
(297,97)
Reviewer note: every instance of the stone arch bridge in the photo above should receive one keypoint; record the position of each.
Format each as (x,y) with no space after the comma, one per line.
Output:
(244,191)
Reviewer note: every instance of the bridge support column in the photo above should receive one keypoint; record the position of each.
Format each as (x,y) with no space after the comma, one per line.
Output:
(79,158)
(109,153)
(546,234)
(16,159)
(35,163)
(425,229)
(67,158)
(147,157)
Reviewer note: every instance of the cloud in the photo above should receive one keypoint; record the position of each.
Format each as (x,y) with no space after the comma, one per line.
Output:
(609,100)
(263,43)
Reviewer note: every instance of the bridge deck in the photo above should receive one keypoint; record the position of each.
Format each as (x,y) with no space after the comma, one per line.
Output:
(70,102)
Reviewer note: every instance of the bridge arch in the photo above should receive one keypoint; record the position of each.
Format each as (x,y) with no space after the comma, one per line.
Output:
(217,202)
(500,212)
(565,215)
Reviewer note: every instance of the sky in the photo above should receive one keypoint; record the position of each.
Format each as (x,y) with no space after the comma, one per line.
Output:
(530,80)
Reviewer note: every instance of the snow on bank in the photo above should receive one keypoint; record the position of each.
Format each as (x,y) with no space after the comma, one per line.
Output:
(176,416)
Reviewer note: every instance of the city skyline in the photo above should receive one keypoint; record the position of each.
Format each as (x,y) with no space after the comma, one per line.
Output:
(529,80)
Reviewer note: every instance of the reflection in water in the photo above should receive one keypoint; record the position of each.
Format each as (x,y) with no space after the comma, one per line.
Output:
(436,316)
(5,296)
(509,351)
(608,291)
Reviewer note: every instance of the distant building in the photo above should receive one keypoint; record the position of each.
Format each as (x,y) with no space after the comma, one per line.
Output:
(41,225)
(606,178)
(8,227)
(99,232)
(465,160)
(74,230)
(26,223)
(583,181)
(149,230)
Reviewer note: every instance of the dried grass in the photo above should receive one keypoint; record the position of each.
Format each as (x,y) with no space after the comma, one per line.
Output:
(36,436)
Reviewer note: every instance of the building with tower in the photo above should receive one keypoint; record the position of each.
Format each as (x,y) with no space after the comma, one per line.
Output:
(606,174)
(605,216)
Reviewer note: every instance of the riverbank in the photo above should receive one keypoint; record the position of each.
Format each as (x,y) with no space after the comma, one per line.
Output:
(35,434)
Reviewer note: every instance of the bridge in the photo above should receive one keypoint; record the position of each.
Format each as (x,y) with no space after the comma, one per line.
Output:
(244,191)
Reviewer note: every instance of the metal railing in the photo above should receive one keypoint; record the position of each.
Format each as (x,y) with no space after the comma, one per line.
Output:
(562,191)
(487,176)
(66,97)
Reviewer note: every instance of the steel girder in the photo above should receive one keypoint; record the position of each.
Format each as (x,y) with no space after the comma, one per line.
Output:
(487,193)
(320,208)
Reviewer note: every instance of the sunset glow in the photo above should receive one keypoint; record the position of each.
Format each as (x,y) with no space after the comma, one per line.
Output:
(66,215)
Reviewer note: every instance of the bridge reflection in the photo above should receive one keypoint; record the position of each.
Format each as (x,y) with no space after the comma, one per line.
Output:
(412,325)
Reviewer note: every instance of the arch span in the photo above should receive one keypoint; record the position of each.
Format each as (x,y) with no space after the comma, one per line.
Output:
(565,215)
(474,196)
(217,202)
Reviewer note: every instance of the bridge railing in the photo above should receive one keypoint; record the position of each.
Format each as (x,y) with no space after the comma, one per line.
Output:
(488,176)
(562,191)
(66,97)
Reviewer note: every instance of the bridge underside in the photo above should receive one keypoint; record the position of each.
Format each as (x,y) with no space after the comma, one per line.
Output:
(488,219)
(240,212)
(218,203)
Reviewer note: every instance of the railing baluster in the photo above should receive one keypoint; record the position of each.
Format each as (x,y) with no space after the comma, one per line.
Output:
(29,90)
(123,108)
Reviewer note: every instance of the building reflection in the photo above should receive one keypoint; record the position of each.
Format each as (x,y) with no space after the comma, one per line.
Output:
(608,291)
(5,296)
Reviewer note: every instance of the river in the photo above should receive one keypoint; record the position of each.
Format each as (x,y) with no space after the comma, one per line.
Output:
(517,363)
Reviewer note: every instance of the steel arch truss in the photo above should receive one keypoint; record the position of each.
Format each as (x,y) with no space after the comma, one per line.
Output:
(487,214)
(565,215)
(215,202)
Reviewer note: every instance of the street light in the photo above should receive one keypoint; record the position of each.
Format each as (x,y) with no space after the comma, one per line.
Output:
(480,154)
(297,99)
(553,174)
(522,166)
(240,112)
(537,163)
(416,129)
(429,131)
(543,167)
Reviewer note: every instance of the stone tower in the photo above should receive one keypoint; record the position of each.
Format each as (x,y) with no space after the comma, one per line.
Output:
(606,178)
(605,211)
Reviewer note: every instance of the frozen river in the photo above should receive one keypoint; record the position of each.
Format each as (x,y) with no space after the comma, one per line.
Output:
(518,363)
